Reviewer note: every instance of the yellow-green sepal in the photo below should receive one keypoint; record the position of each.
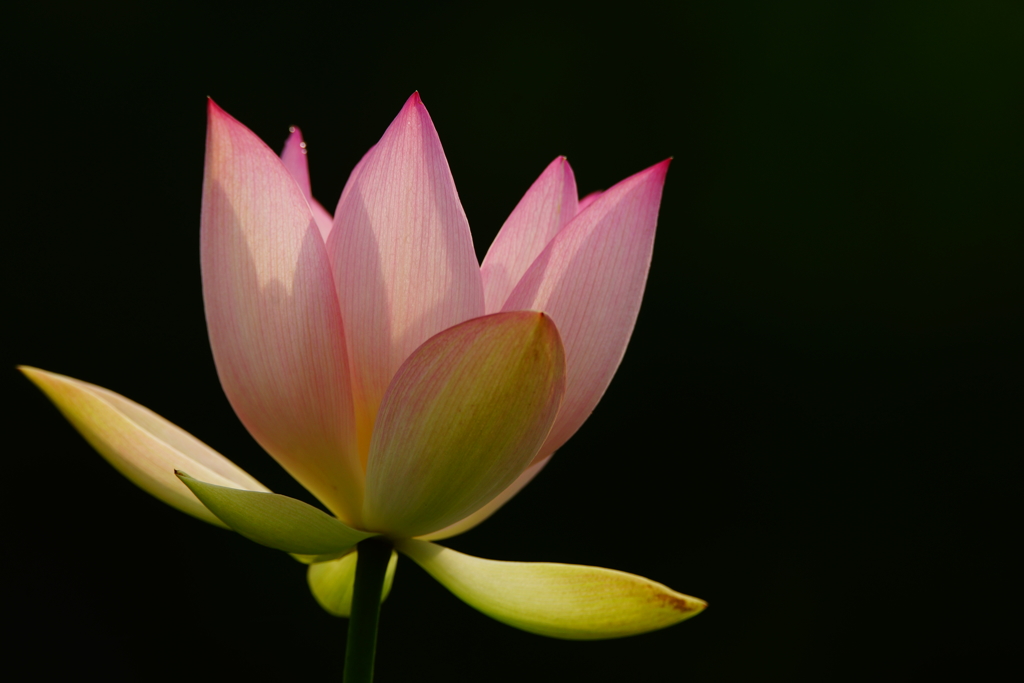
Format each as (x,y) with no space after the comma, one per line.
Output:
(276,521)
(331,582)
(568,601)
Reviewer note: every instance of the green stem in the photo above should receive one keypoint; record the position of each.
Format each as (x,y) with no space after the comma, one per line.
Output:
(371,566)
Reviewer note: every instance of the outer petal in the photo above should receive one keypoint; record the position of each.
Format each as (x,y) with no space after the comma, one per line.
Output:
(274,520)
(402,255)
(558,600)
(294,159)
(140,444)
(332,582)
(462,419)
(471,520)
(548,205)
(590,280)
(273,317)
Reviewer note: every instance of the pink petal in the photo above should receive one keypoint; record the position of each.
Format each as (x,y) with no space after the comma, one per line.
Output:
(462,419)
(293,156)
(402,256)
(590,280)
(294,159)
(352,184)
(275,327)
(324,220)
(588,200)
(548,205)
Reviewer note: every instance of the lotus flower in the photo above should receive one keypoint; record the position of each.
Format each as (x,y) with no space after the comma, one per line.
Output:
(410,390)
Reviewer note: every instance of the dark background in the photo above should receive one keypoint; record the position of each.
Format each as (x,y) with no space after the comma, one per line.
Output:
(817,424)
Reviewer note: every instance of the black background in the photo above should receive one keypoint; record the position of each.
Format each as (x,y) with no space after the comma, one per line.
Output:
(816,426)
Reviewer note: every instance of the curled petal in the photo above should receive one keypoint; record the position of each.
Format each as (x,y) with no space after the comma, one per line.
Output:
(295,160)
(273,317)
(548,205)
(274,520)
(402,255)
(332,582)
(140,444)
(558,600)
(590,280)
(462,419)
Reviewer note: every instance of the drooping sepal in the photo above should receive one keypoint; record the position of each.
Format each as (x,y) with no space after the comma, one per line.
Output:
(140,444)
(568,601)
